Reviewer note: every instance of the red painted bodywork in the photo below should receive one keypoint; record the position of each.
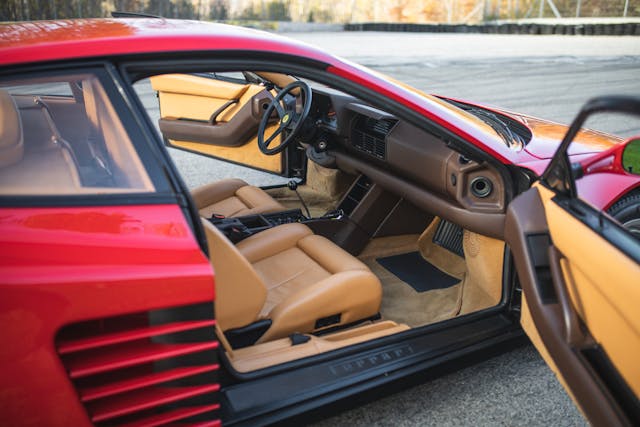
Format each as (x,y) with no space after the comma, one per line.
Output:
(29,43)
(65,265)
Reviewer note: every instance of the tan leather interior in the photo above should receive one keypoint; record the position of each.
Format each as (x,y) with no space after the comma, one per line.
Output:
(233,197)
(602,285)
(280,351)
(196,98)
(37,159)
(278,79)
(291,276)
(42,167)
(240,293)
(11,138)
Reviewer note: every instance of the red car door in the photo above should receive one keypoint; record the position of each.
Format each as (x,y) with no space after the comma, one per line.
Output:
(106,297)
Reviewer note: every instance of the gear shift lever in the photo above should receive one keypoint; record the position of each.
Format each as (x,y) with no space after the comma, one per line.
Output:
(294,186)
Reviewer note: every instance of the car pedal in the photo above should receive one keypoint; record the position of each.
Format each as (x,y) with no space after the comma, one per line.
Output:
(449,236)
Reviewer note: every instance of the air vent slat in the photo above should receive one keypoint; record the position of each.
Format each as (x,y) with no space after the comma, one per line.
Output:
(129,354)
(369,135)
(88,394)
(175,415)
(70,346)
(150,368)
(128,403)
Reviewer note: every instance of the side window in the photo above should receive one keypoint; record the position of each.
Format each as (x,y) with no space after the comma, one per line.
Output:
(62,136)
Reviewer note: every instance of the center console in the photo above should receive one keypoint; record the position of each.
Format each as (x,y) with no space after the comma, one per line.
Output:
(239,228)
(365,211)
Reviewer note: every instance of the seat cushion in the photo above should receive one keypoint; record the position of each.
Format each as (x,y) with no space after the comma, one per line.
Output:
(308,278)
(233,197)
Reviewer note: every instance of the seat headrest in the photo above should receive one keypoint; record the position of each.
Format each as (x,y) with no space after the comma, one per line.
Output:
(11,142)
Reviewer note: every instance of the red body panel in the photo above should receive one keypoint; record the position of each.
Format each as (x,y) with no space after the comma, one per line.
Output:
(603,189)
(64,265)
(547,135)
(29,43)
(60,266)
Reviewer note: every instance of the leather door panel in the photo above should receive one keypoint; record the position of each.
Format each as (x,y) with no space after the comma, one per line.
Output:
(214,117)
(579,295)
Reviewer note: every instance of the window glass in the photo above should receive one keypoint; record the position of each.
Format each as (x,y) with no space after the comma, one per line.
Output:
(62,136)
(42,89)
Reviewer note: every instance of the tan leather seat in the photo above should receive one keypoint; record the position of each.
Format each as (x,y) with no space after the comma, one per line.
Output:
(291,276)
(233,197)
(43,167)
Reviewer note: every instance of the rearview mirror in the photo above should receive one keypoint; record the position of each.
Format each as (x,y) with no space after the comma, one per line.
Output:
(631,157)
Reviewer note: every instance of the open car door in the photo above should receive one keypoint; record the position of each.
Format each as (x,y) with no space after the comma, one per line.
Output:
(580,275)
(217,114)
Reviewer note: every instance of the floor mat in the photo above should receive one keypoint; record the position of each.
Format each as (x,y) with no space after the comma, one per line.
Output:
(412,269)
(402,304)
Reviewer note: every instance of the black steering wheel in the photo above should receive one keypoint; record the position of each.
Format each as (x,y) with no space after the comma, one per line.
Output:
(290,118)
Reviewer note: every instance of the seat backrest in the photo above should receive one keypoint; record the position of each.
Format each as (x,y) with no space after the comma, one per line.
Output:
(11,142)
(240,293)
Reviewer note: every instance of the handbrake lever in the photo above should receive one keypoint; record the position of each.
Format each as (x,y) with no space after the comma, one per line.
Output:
(293,185)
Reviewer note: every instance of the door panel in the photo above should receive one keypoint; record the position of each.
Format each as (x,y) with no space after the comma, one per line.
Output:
(188,103)
(603,286)
(578,305)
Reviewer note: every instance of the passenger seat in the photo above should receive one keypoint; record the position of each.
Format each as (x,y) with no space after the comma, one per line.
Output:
(299,281)
(233,197)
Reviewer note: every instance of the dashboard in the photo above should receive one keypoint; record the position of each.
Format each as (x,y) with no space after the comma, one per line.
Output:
(380,142)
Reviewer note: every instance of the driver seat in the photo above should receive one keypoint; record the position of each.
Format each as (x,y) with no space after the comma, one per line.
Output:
(233,197)
(295,280)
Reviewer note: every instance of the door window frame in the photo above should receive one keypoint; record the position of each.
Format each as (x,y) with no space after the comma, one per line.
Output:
(560,177)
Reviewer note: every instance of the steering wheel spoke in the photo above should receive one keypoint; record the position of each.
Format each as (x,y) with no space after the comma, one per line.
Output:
(279,108)
(273,136)
(290,119)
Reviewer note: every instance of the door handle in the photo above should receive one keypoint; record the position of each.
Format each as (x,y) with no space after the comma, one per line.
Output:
(574,334)
(213,119)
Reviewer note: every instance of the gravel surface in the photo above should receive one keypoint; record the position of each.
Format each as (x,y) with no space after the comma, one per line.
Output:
(546,76)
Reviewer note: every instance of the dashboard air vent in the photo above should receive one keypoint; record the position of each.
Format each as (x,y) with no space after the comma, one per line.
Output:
(369,135)
(134,370)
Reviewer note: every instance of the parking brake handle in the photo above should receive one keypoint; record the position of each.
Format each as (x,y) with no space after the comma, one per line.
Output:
(293,185)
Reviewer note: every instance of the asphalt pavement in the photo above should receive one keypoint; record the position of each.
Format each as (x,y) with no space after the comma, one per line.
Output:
(545,76)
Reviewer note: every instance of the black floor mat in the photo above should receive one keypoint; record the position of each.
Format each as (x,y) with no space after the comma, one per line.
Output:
(414,270)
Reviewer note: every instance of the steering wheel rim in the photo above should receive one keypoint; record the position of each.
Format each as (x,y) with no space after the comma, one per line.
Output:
(289,120)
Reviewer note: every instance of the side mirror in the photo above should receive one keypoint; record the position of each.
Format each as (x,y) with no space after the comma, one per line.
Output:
(621,158)
(631,157)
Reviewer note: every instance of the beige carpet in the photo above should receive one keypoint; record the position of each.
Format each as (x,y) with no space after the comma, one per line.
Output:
(400,302)
(479,275)
(403,304)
